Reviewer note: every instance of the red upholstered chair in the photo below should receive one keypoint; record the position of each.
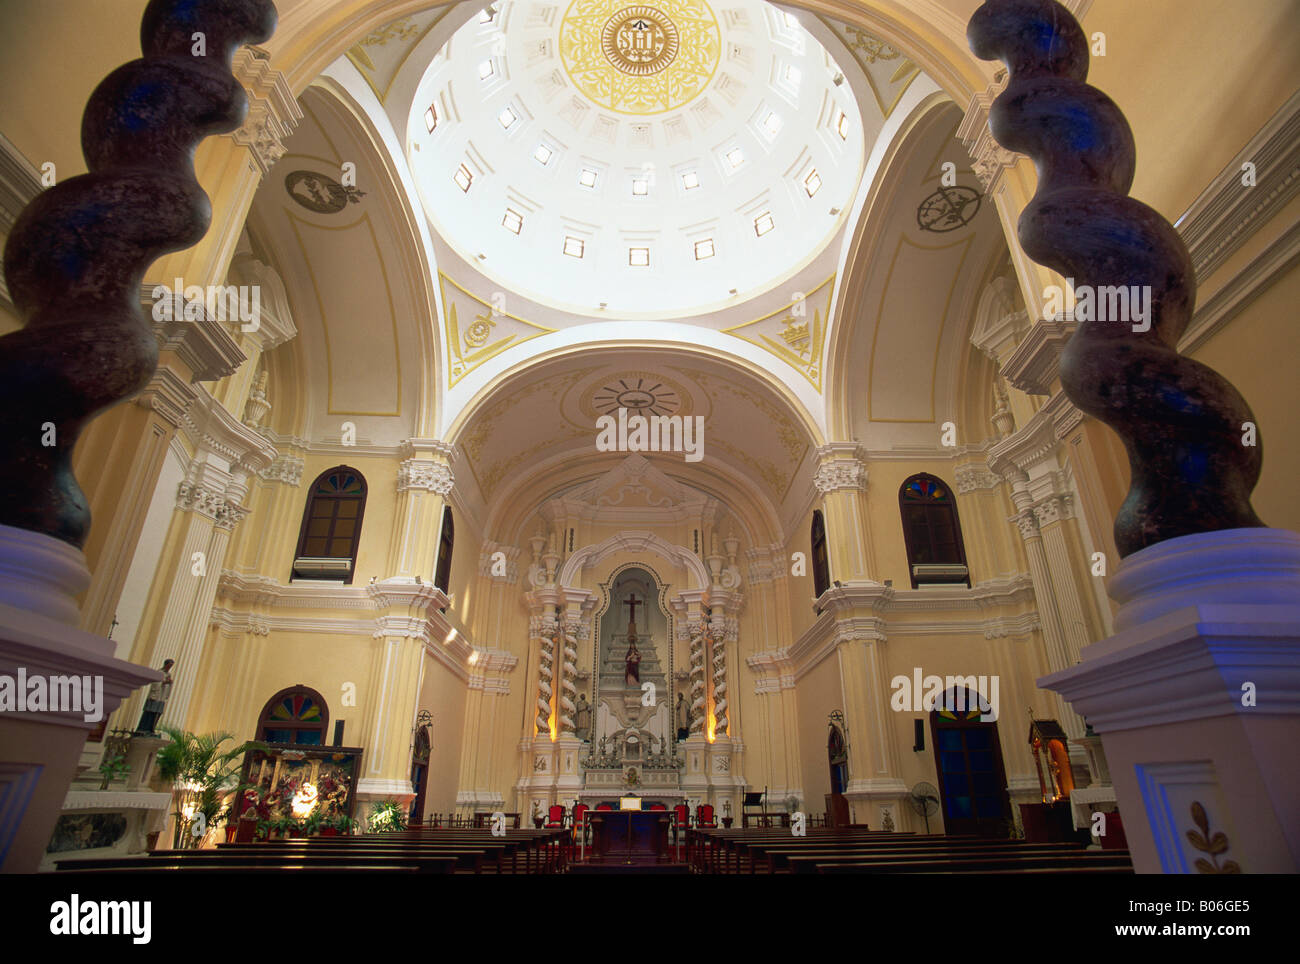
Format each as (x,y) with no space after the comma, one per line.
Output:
(658,806)
(683,818)
(603,806)
(555,816)
(580,822)
(704,817)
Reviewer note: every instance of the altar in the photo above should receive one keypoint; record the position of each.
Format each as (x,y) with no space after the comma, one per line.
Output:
(629,726)
(631,835)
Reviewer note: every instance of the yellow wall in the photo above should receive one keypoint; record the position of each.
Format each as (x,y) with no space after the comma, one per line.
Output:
(1196,79)
(443,695)
(819,693)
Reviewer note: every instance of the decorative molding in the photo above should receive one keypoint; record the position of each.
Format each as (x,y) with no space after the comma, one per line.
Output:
(273,111)
(1228,213)
(426,475)
(199,340)
(286,469)
(169,395)
(1035,364)
(840,465)
(988,158)
(975,477)
(1035,441)
(1280,257)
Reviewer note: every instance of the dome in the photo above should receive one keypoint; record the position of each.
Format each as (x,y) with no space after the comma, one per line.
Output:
(658,158)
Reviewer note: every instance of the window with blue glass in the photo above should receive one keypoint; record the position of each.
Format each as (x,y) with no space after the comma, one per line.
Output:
(972,781)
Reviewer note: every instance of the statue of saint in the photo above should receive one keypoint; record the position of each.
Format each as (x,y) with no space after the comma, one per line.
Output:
(156,700)
(582,718)
(682,716)
(633,660)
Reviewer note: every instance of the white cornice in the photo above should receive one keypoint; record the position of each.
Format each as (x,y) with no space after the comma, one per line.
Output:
(864,611)
(1036,439)
(1227,213)
(1035,363)
(209,425)
(202,344)
(1280,257)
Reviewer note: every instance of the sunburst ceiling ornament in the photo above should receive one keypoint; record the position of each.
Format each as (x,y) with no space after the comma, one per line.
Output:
(637,395)
(640,58)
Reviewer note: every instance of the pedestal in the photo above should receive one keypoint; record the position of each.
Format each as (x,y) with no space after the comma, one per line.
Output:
(40,578)
(1197,701)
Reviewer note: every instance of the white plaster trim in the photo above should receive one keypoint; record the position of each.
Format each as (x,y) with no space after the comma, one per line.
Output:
(115,800)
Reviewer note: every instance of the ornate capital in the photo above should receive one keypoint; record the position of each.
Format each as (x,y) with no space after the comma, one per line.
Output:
(425,474)
(989,158)
(1027,523)
(1054,508)
(273,111)
(973,478)
(285,468)
(840,466)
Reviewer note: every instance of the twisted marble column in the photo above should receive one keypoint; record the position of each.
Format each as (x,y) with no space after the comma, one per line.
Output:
(568,678)
(77,254)
(545,674)
(697,678)
(1181,422)
(718,642)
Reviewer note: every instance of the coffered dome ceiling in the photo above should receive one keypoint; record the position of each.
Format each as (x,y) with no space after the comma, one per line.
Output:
(632,160)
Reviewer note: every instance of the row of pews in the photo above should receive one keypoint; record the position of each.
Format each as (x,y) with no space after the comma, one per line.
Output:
(862,851)
(420,850)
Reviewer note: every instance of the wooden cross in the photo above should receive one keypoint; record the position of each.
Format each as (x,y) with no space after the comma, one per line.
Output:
(632,603)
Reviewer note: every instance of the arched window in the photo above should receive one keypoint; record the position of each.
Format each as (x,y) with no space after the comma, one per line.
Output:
(446,539)
(331,526)
(820,562)
(935,552)
(968,758)
(294,715)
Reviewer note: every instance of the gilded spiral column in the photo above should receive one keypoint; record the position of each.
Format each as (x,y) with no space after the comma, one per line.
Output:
(1180,421)
(697,678)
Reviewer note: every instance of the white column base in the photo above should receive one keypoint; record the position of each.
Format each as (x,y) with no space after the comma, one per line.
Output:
(870,801)
(1202,620)
(40,749)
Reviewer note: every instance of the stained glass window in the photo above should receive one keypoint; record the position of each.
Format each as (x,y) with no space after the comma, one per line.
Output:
(931,531)
(294,715)
(331,524)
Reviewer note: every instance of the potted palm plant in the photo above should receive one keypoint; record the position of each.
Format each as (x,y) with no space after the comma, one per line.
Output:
(203,778)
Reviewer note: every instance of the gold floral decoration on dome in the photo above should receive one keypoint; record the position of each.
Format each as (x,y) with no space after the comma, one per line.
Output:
(640,58)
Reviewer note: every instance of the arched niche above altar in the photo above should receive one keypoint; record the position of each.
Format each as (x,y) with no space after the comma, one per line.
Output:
(633,664)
